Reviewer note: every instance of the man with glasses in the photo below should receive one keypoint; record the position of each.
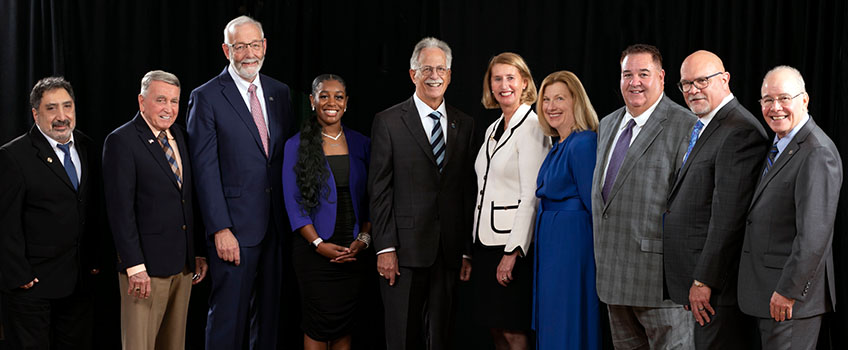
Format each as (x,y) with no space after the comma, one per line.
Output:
(640,148)
(237,124)
(705,221)
(421,184)
(786,277)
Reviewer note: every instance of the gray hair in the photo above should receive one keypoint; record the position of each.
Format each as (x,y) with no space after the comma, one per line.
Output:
(429,42)
(157,75)
(230,29)
(792,71)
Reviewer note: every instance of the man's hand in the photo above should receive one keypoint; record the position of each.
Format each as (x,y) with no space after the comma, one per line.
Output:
(139,285)
(387,266)
(465,270)
(30,284)
(699,302)
(355,247)
(504,272)
(227,246)
(780,307)
(200,269)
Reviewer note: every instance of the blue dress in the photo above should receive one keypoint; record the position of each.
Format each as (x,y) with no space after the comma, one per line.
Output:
(565,302)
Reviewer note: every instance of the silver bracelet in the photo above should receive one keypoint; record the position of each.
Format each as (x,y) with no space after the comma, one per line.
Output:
(364,237)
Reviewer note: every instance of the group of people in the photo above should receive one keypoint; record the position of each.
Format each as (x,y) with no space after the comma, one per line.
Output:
(694,228)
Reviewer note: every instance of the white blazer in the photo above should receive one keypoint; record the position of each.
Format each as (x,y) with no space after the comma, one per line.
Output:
(506,182)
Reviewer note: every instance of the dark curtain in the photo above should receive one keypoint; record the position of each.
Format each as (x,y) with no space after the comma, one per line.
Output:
(104,47)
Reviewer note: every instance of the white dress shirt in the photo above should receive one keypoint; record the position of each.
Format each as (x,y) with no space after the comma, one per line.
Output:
(61,155)
(640,122)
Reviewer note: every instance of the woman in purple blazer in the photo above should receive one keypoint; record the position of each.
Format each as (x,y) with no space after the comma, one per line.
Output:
(324,186)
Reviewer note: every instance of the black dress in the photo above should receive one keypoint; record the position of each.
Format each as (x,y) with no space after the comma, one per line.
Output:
(330,292)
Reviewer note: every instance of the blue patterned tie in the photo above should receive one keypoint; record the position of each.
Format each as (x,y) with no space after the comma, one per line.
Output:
(70,169)
(692,139)
(169,155)
(772,155)
(617,158)
(437,140)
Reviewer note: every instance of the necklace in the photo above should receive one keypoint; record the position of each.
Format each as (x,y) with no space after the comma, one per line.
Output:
(336,138)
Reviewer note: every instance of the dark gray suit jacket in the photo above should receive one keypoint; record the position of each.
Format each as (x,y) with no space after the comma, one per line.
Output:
(628,227)
(789,230)
(413,207)
(705,222)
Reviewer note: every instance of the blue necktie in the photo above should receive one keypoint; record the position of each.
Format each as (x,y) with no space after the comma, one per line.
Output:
(692,140)
(772,155)
(617,158)
(70,169)
(437,140)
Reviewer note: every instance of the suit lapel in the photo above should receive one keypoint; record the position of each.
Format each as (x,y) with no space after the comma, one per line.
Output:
(274,127)
(233,96)
(785,157)
(149,142)
(451,133)
(412,120)
(49,157)
(702,140)
(649,132)
(185,167)
(82,151)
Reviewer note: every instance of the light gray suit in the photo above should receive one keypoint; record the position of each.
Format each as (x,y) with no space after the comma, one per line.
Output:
(628,227)
(789,231)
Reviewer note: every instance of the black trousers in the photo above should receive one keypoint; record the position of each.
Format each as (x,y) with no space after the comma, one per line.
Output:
(38,323)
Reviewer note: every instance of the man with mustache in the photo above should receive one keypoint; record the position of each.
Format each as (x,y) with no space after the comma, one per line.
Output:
(51,231)
(705,221)
(421,183)
(237,125)
(640,148)
(786,276)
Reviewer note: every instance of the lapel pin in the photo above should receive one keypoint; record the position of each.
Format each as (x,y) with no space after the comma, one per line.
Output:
(49,159)
(270,98)
(453,125)
(150,141)
(791,150)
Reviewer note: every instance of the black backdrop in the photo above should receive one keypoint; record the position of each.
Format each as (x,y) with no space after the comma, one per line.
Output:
(104,47)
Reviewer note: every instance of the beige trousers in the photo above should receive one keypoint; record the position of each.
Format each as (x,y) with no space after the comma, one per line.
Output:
(158,322)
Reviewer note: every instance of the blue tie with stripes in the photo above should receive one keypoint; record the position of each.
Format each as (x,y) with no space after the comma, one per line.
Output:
(772,155)
(437,140)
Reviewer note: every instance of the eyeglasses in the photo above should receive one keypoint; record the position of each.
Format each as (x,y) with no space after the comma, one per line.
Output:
(784,100)
(700,83)
(256,45)
(427,70)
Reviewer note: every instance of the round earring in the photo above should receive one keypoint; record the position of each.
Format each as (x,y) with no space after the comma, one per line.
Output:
(313,108)
(345,109)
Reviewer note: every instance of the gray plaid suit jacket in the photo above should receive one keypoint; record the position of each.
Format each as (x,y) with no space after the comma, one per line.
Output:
(705,222)
(628,228)
(789,229)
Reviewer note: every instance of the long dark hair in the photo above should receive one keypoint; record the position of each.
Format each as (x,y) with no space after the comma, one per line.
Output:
(310,170)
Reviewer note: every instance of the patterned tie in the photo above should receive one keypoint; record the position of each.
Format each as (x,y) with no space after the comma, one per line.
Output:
(617,158)
(437,140)
(70,169)
(692,139)
(169,155)
(772,154)
(256,112)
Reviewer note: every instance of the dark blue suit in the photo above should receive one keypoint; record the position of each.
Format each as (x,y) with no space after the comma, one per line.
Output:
(151,217)
(323,218)
(238,187)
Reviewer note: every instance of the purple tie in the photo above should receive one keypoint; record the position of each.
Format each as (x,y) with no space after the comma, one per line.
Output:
(617,158)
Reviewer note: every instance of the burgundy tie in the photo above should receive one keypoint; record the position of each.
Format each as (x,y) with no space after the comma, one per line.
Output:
(256,112)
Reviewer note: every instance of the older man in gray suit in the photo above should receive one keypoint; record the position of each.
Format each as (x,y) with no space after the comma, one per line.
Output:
(786,269)
(640,146)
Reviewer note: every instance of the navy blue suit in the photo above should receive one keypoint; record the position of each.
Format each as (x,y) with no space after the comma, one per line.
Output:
(239,187)
(151,217)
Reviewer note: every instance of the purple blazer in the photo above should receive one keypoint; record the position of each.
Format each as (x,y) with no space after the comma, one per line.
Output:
(324,215)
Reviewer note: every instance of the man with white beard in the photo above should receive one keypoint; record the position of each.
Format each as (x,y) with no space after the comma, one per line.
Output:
(237,125)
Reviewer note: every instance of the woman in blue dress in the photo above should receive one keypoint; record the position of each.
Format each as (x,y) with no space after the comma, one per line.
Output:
(565,302)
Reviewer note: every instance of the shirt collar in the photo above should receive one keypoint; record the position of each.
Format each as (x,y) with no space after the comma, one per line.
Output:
(642,118)
(424,110)
(709,117)
(783,142)
(154,131)
(53,143)
(242,84)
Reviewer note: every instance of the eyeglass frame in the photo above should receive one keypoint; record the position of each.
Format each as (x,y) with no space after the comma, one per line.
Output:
(767,104)
(706,80)
(423,70)
(260,42)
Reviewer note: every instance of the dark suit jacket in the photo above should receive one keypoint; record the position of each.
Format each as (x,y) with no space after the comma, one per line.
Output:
(238,187)
(151,217)
(323,217)
(48,230)
(705,222)
(789,229)
(413,207)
